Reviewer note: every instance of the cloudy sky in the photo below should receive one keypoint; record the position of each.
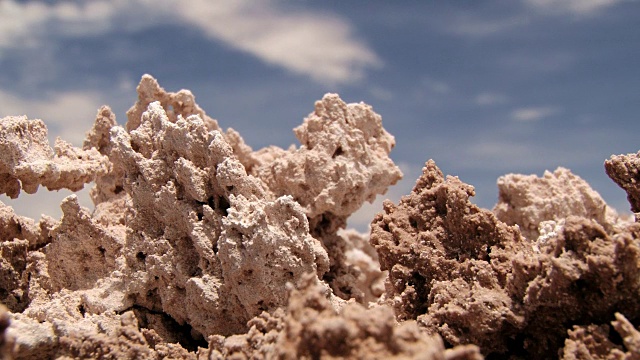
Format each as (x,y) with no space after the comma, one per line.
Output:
(484,88)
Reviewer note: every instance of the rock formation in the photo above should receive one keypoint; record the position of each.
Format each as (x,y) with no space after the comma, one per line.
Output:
(625,171)
(198,247)
(466,274)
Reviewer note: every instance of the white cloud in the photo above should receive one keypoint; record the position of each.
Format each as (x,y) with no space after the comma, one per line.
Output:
(321,46)
(26,24)
(431,93)
(572,7)
(381,94)
(539,62)
(473,26)
(439,87)
(533,113)
(68,115)
(429,87)
(489,98)
(493,154)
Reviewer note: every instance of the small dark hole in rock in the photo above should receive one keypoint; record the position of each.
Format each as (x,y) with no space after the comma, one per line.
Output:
(581,285)
(345,290)
(615,337)
(338,152)
(515,346)
(230,188)
(141,256)
(185,335)
(102,250)
(261,306)
(82,309)
(224,204)
(118,189)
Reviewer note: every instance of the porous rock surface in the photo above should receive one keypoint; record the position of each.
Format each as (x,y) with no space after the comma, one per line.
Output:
(192,234)
(528,200)
(341,163)
(198,247)
(594,341)
(27,161)
(625,171)
(311,328)
(463,273)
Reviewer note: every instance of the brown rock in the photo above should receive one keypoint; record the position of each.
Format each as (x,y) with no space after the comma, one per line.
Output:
(528,200)
(448,263)
(593,342)
(17,235)
(126,342)
(342,162)
(466,275)
(5,342)
(27,161)
(195,242)
(624,170)
(312,329)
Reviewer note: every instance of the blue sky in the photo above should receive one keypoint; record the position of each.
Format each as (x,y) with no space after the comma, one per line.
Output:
(484,88)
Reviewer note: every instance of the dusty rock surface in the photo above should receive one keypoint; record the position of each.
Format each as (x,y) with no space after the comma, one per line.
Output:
(27,161)
(463,273)
(594,341)
(199,247)
(528,200)
(625,171)
(311,328)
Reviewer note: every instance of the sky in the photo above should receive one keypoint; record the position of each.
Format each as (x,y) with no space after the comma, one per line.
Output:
(484,88)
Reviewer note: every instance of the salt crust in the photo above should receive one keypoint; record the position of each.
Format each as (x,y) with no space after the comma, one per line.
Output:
(200,247)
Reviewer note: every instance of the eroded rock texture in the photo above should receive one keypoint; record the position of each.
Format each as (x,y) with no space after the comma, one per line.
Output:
(594,342)
(27,161)
(311,328)
(193,234)
(5,344)
(624,170)
(464,274)
(528,200)
(341,163)
(200,247)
